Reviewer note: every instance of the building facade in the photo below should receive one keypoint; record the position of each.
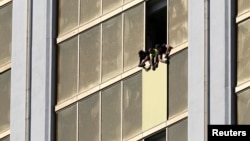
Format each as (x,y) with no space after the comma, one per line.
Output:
(69,69)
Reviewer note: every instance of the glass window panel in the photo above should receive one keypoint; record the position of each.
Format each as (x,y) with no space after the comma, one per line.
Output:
(90,54)
(177,97)
(178,131)
(243,63)
(112,48)
(66,124)
(109,5)
(89,113)
(243,6)
(178,19)
(158,137)
(5,101)
(132,106)
(5,33)
(68,15)
(111,113)
(133,35)
(90,9)
(67,69)
(5,139)
(243,107)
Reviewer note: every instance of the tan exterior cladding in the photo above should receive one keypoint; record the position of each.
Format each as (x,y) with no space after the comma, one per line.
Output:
(154,89)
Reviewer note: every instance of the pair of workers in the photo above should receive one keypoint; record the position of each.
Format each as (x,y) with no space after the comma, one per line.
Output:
(154,56)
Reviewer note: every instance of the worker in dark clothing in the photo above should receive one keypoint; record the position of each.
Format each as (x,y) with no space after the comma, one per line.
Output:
(143,58)
(163,49)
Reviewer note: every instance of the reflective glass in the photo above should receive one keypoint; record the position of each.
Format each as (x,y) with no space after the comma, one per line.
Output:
(66,124)
(178,131)
(89,117)
(67,15)
(109,5)
(90,54)
(5,33)
(178,78)
(111,113)
(243,6)
(178,19)
(243,107)
(132,106)
(133,35)
(243,50)
(5,101)
(112,48)
(67,69)
(90,9)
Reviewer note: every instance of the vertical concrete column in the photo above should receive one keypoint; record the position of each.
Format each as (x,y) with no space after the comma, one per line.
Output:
(19,69)
(220,96)
(196,71)
(42,69)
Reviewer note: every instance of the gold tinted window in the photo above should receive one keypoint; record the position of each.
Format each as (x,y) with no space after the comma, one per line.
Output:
(5,33)
(178,19)
(177,98)
(5,101)
(243,50)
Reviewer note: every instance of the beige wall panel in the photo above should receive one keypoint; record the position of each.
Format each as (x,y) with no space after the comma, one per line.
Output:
(243,6)
(5,33)
(132,106)
(89,10)
(66,124)
(243,107)
(89,117)
(68,15)
(178,131)
(109,5)
(178,22)
(178,78)
(5,101)
(112,48)
(90,54)
(243,51)
(111,113)
(154,89)
(67,69)
(133,35)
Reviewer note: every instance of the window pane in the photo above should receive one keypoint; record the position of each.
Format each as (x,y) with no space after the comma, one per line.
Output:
(67,69)
(5,101)
(111,113)
(89,113)
(243,107)
(5,139)
(5,33)
(90,9)
(243,65)
(178,19)
(178,131)
(158,137)
(68,15)
(132,106)
(177,98)
(133,35)
(243,6)
(90,50)
(66,124)
(109,5)
(112,48)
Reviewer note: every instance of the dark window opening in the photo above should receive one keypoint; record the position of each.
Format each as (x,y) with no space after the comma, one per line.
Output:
(156,22)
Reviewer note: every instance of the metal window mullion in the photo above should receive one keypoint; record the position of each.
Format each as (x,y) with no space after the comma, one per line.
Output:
(77,121)
(121,89)
(100,115)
